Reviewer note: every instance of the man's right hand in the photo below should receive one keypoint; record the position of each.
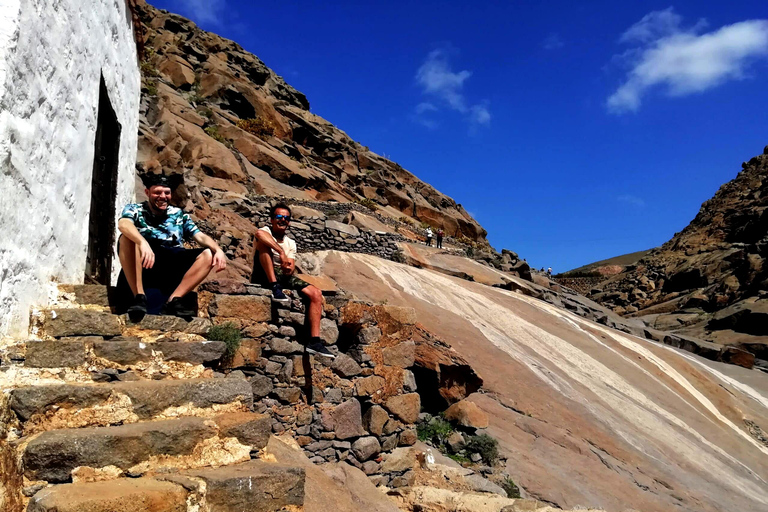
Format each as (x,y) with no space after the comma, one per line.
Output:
(147,255)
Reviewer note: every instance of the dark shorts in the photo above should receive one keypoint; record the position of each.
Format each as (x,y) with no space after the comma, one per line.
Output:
(258,276)
(171,263)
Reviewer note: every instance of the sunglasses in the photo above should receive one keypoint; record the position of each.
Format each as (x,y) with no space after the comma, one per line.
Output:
(287,218)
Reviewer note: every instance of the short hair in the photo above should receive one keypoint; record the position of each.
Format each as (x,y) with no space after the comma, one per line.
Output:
(152,180)
(279,206)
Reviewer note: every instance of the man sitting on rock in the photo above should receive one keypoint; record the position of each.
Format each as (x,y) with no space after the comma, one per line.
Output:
(152,252)
(274,265)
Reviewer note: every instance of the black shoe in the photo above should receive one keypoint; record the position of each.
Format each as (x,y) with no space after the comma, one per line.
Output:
(278,295)
(138,308)
(317,348)
(176,307)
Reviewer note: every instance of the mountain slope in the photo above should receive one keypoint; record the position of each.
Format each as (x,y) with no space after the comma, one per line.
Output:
(224,123)
(710,279)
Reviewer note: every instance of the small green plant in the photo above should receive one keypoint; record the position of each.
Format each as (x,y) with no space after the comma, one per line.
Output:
(511,488)
(149,69)
(424,225)
(229,334)
(436,431)
(486,446)
(205,112)
(469,251)
(213,132)
(368,203)
(150,86)
(406,220)
(368,172)
(461,459)
(257,126)
(398,257)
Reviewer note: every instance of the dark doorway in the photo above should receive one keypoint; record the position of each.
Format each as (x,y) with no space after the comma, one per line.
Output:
(101,224)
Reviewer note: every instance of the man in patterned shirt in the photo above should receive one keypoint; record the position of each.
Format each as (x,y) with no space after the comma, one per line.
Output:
(151,251)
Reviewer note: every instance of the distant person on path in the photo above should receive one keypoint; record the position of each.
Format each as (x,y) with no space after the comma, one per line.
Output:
(274,263)
(440,234)
(429,236)
(549,272)
(153,255)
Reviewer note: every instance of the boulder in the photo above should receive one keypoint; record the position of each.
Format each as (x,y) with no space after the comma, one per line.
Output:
(467,414)
(251,307)
(365,448)
(401,355)
(374,420)
(405,407)
(347,420)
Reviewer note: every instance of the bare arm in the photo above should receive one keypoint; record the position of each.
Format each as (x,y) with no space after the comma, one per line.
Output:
(219,258)
(287,264)
(128,229)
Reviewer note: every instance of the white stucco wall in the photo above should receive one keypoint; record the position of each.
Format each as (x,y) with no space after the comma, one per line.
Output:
(52,53)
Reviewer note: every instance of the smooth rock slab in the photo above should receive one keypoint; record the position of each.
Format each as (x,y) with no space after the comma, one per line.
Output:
(55,354)
(167,323)
(125,495)
(252,307)
(148,398)
(255,486)
(123,352)
(80,322)
(193,352)
(53,455)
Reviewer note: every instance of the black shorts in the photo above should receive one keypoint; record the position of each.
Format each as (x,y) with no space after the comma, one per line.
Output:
(171,263)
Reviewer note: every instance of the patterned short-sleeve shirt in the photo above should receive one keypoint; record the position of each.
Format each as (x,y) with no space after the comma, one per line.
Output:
(169,230)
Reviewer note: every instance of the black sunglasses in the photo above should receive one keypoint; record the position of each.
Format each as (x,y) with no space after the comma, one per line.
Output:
(281,217)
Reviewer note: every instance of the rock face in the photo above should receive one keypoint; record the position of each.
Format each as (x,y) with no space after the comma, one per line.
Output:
(709,280)
(226,126)
(585,414)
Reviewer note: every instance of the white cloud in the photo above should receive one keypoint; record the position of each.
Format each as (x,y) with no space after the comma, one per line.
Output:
(203,11)
(631,200)
(441,83)
(425,107)
(553,42)
(684,61)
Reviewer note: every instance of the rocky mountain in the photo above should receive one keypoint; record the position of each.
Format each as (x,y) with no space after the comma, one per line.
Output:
(228,127)
(710,280)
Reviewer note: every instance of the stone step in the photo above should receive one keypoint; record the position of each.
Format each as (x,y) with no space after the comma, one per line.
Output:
(134,449)
(41,408)
(87,294)
(123,353)
(67,322)
(256,486)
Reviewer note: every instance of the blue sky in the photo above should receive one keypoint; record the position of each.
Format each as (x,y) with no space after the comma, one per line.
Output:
(572,131)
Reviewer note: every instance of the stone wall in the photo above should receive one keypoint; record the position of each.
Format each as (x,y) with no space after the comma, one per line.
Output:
(352,408)
(316,233)
(51,57)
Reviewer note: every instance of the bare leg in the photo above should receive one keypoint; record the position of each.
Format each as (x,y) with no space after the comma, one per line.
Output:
(130,260)
(315,310)
(195,275)
(265,259)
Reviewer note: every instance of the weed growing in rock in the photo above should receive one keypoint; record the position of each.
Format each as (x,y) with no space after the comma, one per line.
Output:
(368,203)
(149,69)
(257,126)
(511,488)
(213,132)
(229,334)
(484,445)
(205,112)
(150,86)
(436,431)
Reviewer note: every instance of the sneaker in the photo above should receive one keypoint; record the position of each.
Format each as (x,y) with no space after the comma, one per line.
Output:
(278,295)
(176,307)
(138,308)
(318,349)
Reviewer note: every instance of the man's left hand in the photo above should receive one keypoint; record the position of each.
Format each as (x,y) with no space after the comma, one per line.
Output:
(219,260)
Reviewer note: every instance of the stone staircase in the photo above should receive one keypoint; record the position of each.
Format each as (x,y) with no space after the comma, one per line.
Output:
(102,415)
